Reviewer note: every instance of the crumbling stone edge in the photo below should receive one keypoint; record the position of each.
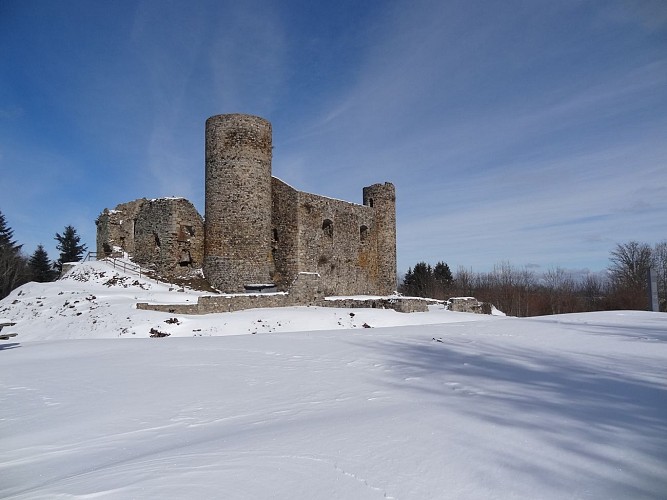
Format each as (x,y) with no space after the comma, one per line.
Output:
(217,304)
(305,291)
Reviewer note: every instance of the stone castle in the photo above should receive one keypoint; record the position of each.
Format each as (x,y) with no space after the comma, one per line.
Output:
(259,232)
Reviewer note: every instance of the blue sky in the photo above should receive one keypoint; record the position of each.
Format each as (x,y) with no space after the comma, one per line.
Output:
(533,132)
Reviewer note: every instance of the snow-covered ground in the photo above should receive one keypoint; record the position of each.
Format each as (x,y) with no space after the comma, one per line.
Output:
(436,405)
(97,301)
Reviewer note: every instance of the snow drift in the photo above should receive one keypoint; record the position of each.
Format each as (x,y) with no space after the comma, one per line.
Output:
(468,406)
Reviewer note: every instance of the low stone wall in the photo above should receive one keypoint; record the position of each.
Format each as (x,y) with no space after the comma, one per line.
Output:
(170,308)
(468,304)
(305,291)
(399,304)
(228,303)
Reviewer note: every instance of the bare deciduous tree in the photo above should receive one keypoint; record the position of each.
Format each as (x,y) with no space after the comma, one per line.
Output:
(560,289)
(629,264)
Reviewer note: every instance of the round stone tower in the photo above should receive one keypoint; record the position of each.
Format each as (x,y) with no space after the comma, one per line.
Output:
(237,246)
(382,198)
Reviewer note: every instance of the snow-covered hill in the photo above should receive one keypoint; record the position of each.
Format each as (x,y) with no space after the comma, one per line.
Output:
(97,301)
(437,405)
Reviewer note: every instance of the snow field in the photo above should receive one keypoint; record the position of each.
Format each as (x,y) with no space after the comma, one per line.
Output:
(469,406)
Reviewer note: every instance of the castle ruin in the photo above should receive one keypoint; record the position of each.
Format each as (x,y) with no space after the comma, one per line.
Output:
(259,232)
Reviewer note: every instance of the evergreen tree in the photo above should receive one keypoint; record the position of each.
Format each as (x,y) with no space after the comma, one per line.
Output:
(6,235)
(69,247)
(12,263)
(426,281)
(408,281)
(442,275)
(423,279)
(41,269)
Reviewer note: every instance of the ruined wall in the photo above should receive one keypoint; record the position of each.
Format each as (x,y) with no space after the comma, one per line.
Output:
(352,247)
(468,304)
(284,234)
(258,229)
(238,201)
(382,198)
(331,243)
(306,290)
(115,228)
(398,304)
(169,235)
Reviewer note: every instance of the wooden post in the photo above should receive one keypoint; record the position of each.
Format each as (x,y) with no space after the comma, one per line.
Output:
(652,289)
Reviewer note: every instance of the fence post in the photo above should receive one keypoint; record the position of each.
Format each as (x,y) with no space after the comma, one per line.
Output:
(652,281)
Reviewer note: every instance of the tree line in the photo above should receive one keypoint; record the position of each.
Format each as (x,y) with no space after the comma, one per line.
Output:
(522,292)
(16,268)
(515,291)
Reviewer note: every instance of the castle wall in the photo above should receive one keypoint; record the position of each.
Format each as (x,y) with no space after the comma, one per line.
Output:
(330,243)
(382,198)
(345,243)
(169,235)
(115,228)
(257,228)
(284,234)
(237,249)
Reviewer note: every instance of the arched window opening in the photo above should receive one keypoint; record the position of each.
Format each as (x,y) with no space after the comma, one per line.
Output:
(327,228)
(363,233)
(186,259)
(370,202)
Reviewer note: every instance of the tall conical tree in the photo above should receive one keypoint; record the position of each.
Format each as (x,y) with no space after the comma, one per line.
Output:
(41,269)
(12,263)
(6,235)
(70,249)
(442,274)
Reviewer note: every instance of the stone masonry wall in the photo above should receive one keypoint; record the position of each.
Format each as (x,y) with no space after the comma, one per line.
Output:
(382,198)
(169,236)
(115,228)
(305,291)
(238,201)
(341,241)
(284,237)
(332,244)
(258,229)
(211,304)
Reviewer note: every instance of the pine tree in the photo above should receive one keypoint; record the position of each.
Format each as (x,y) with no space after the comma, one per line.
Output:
(6,235)
(41,269)
(442,275)
(12,263)
(423,276)
(69,247)
(408,283)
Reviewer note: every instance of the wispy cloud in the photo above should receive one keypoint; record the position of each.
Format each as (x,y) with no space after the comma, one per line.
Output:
(530,132)
(227,58)
(570,219)
(493,125)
